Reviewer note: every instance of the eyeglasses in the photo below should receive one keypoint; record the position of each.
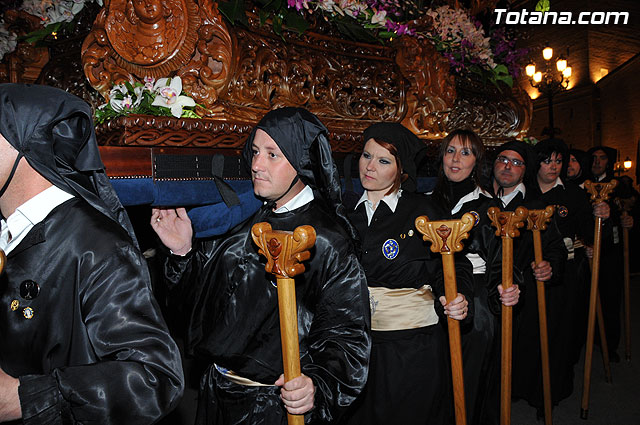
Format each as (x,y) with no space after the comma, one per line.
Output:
(514,162)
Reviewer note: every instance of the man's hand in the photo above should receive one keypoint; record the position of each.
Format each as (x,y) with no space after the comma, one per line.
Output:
(602,210)
(458,307)
(297,394)
(173,226)
(509,296)
(627,221)
(10,409)
(542,271)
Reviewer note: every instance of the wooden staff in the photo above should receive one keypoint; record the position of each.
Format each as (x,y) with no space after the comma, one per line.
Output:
(284,252)
(625,206)
(3,260)
(537,221)
(604,348)
(445,237)
(599,192)
(507,224)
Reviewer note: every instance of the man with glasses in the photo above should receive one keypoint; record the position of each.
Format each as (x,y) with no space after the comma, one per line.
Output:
(515,184)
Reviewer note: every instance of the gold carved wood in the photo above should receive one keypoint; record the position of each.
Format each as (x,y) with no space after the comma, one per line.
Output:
(446,235)
(599,192)
(538,219)
(284,251)
(507,223)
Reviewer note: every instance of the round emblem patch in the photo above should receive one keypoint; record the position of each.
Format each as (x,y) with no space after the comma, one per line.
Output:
(390,249)
(477,217)
(562,211)
(27,313)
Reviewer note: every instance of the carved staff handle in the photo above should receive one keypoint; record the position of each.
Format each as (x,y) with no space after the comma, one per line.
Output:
(507,224)
(284,252)
(445,237)
(536,222)
(599,192)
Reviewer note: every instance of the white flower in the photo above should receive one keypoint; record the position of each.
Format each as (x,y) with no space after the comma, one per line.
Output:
(121,100)
(380,17)
(168,95)
(8,41)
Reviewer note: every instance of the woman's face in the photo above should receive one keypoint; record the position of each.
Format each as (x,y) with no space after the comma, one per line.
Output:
(378,168)
(458,161)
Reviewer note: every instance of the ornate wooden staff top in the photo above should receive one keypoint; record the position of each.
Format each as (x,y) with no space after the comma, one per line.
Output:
(445,236)
(538,219)
(599,192)
(284,250)
(507,223)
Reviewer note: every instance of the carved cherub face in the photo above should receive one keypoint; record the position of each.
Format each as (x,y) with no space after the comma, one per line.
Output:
(148,11)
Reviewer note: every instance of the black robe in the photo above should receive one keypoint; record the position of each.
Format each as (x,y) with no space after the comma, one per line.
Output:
(235,322)
(96,349)
(409,379)
(527,376)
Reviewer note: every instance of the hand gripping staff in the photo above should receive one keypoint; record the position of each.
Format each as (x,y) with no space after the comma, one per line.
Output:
(284,251)
(507,224)
(625,205)
(445,237)
(599,192)
(537,221)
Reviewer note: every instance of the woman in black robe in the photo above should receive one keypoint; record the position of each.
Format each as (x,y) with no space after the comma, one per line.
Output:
(408,377)
(459,190)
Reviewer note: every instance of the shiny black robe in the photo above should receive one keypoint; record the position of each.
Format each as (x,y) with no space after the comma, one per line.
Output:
(235,324)
(409,377)
(96,349)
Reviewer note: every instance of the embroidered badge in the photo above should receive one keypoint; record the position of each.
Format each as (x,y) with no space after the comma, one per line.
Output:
(390,249)
(27,313)
(562,211)
(477,217)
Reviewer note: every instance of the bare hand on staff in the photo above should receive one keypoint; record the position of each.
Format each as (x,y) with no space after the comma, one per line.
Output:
(542,271)
(509,296)
(297,394)
(626,221)
(173,226)
(9,400)
(602,210)
(456,309)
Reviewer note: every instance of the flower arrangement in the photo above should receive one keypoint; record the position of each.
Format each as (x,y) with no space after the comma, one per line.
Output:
(163,97)
(8,40)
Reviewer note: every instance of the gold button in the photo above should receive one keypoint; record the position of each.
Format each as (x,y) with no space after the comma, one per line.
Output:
(14,305)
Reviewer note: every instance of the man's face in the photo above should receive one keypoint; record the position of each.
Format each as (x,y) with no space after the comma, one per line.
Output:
(505,172)
(271,172)
(600,162)
(550,169)
(573,170)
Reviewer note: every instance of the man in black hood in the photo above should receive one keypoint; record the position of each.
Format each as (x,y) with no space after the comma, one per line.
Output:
(603,159)
(578,167)
(83,338)
(234,322)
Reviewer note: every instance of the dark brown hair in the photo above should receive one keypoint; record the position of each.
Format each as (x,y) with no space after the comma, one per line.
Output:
(400,176)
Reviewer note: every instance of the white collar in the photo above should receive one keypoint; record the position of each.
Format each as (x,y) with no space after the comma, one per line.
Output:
(391,200)
(471,196)
(29,214)
(558,183)
(301,199)
(509,197)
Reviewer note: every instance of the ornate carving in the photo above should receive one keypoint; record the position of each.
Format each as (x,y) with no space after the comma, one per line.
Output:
(507,223)
(537,219)
(26,62)
(599,191)
(446,235)
(284,251)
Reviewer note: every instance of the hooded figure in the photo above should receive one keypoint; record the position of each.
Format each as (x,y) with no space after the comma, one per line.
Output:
(607,174)
(406,286)
(87,340)
(583,160)
(529,176)
(226,280)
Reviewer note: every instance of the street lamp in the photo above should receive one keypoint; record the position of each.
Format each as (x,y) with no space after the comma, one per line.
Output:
(550,81)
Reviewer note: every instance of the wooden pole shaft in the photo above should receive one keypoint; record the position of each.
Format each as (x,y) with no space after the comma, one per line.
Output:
(627,302)
(507,332)
(289,336)
(455,342)
(603,339)
(544,340)
(584,413)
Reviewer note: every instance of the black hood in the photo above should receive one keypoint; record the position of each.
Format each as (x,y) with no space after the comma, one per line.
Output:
(529,156)
(411,150)
(583,160)
(54,131)
(612,156)
(302,138)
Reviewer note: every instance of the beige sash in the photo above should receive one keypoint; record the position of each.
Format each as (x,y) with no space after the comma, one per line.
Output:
(240,380)
(403,308)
